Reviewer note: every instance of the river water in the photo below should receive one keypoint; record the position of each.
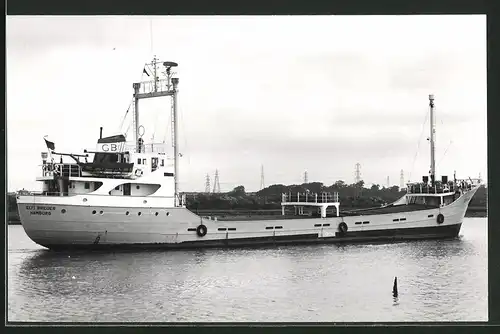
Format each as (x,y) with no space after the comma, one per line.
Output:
(437,281)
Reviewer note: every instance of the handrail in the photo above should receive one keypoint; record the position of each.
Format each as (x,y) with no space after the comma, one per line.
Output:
(439,188)
(147,147)
(51,169)
(58,194)
(306,197)
(148,86)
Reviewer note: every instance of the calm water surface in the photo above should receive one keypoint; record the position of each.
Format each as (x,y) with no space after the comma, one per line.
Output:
(438,281)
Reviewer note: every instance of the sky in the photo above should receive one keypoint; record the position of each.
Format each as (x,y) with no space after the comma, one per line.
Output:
(290,93)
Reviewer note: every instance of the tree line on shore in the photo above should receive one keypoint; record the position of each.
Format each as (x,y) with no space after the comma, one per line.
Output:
(351,196)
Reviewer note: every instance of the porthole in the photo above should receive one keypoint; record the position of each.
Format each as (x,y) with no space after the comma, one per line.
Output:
(85,200)
(63,211)
(138,213)
(127,213)
(168,213)
(94,212)
(156,214)
(100,212)
(137,187)
(144,201)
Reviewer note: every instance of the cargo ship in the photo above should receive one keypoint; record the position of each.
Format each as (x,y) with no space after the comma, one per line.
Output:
(126,195)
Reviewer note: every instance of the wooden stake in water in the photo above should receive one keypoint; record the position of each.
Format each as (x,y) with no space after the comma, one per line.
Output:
(395,288)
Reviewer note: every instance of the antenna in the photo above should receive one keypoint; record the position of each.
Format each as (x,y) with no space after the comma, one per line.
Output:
(216,182)
(262,185)
(207,184)
(151,33)
(402,180)
(155,74)
(432,171)
(357,173)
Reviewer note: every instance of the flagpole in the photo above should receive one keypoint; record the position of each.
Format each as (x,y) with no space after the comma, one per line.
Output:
(48,149)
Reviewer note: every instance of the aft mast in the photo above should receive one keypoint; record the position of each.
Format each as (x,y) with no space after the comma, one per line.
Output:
(156,87)
(432,139)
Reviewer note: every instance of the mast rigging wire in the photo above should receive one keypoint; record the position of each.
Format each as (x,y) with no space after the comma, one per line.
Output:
(445,151)
(418,146)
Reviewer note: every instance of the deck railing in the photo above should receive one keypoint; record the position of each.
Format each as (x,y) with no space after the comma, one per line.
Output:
(149,86)
(307,197)
(440,188)
(147,147)
(61,169)
(65,194)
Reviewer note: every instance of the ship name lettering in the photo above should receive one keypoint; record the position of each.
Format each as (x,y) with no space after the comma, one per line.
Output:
(40,213)
(37,208)
(50,208)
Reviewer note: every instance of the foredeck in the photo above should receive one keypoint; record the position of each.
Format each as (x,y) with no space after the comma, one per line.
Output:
(360,212)
(388,209)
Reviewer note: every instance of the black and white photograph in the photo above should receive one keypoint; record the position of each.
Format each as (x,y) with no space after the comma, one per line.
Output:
(246,169)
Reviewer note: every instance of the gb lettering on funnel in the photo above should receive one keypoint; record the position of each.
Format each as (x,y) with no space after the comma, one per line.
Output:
(111,144)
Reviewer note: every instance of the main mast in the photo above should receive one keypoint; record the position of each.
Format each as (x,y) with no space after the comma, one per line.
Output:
(432,139)
(157,87)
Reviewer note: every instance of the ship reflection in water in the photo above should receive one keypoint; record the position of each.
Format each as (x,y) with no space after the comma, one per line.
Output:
(442,280)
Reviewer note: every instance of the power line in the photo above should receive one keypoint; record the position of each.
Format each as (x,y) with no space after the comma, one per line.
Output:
(262,185)
(357,173)
(305,177)
(402,180)
(216,182)
(207,184)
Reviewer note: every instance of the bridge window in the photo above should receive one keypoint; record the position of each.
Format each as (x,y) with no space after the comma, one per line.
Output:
(139,161)
(162,162)
(154,164)
(143,161)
